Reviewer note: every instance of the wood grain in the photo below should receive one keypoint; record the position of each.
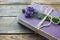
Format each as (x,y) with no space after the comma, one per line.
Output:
(15,2)
(10,2)
(11,10)
(22,37)
(10,25)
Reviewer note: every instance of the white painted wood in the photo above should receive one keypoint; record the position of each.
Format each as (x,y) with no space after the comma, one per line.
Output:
(10,25)
(11,10)
(15,1)
(23,1)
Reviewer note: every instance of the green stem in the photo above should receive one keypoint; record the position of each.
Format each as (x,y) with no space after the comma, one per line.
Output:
(41,16)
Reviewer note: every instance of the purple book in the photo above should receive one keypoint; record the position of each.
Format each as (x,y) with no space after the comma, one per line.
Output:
(51,32)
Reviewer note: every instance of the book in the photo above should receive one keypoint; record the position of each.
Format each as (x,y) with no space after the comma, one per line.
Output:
(51,32)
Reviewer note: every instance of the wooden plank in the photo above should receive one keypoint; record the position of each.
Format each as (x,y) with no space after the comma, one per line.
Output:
(11,2)
(22,37)
(15,1)
(10,25)
(11,10)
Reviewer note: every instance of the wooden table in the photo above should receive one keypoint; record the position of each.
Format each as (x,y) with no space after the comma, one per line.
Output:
(9,25)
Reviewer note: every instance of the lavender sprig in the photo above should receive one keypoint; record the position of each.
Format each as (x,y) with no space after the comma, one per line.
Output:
(30,12)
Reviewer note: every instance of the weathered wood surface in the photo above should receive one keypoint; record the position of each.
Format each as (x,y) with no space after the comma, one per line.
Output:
(11,10)
(29,1)
(22,37)
(10,25)
(15,2)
